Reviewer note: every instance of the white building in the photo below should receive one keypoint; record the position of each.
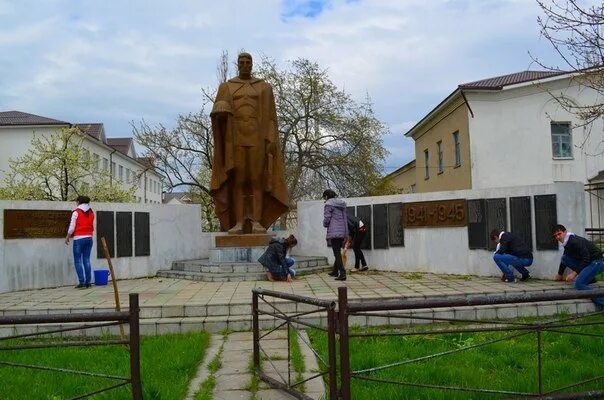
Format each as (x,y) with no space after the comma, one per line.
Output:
(117,155)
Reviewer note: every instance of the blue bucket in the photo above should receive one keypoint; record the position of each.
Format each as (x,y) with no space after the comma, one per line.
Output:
(101,276)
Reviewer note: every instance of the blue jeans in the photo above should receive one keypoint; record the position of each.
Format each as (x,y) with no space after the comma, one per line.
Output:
(587,275)
(81,255)
(504,260)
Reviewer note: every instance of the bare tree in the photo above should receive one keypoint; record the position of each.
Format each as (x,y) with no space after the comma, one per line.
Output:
(575,31)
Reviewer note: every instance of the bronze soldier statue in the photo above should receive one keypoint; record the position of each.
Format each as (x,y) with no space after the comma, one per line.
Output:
(248,185)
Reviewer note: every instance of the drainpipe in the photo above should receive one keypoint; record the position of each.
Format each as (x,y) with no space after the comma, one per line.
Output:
(144,175)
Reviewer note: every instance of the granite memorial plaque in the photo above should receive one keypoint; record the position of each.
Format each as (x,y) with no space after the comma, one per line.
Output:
(496,218)
(36,224)
(380,224)
(521,220)
(435,213)
(350,210)
(364,214)
(123,231)
(546,217)
(142,234)
(477,224)
(396,233)
(105,228)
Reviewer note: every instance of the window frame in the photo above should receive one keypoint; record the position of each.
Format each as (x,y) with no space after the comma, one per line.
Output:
(439,153)
(569,134)
(426,166)
(457,148)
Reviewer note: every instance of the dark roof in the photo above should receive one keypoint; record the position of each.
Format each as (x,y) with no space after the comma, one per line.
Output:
(146,161)
(14,118)
(498,82)
(93,130)
(120,144)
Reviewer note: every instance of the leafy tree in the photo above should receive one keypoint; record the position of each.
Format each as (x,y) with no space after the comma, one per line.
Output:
(327,138)
(575,30)
(58,167)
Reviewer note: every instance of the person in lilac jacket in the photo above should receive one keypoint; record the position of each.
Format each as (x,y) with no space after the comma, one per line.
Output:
(335,220)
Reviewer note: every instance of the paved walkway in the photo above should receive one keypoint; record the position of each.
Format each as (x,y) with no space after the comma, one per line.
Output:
(166,292)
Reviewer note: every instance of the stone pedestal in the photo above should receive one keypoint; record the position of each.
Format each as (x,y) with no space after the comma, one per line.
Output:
(246,240)
(236,254)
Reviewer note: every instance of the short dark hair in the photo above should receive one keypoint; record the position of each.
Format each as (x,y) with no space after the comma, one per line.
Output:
(559,227)
(83,199)
(244,54)
(329,194)
(291,241)
(494,233)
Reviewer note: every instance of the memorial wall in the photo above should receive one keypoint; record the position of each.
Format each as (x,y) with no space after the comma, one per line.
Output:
(141,238)
(447,232)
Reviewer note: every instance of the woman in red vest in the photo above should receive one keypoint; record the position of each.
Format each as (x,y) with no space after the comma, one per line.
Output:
(81,228)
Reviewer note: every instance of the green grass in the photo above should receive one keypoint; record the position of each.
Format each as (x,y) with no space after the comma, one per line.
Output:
(508,365)
(206,391)
(168,363)
(297,359)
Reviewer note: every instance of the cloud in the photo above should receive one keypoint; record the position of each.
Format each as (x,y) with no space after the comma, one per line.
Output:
(114,63)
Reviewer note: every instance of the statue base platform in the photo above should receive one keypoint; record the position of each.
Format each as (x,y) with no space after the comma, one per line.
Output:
(244,240)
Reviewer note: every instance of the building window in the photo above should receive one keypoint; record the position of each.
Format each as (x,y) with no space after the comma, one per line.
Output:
(121,173)
(561,140)
(105,164)
(413,188)
(439,146)
(113,171)
(96,160)
(426,162)
(457,149)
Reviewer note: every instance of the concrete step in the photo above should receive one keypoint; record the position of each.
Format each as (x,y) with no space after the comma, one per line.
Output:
(241,320)
(207,271)
(220,276)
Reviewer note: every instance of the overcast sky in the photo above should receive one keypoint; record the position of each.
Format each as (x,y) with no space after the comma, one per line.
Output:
(116,61)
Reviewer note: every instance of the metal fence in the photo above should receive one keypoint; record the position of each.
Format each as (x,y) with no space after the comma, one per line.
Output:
(89,321)
(400,309)
(277,311)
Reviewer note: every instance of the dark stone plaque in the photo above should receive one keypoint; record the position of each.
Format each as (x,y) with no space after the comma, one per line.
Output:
(350,210)
(123,231)
(435,213)
(396,233)
(546,217)
(36,224)
(142,234)
(477,224)
(380,223)
(364,214)
(496,218)
(105,228)
(520,219)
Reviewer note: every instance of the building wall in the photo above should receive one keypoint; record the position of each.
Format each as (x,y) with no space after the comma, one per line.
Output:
(445,250)
(454,118)
(405,178)
(511,141)
(16,141)
(175,234)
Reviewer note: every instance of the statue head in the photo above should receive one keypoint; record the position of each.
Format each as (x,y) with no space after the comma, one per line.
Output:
(244,64)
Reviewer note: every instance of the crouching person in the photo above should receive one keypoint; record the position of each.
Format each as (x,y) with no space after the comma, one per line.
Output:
(276,260)
(511,251)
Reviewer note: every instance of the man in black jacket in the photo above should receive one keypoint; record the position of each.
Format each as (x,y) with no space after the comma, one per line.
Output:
(585,257)
(511,250)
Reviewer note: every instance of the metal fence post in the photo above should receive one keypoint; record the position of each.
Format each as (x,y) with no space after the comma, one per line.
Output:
(135,361)
(255,332)
(331,348)
(343,330)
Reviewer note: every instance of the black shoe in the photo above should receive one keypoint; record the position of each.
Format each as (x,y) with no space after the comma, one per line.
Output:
(508,280)
(525,277)
(80,286)
(364,268)
(333,274)
(341,278)
(88,285)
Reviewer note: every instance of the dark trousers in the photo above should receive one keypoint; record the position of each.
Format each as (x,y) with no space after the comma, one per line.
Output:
(359,257)
(336,247)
